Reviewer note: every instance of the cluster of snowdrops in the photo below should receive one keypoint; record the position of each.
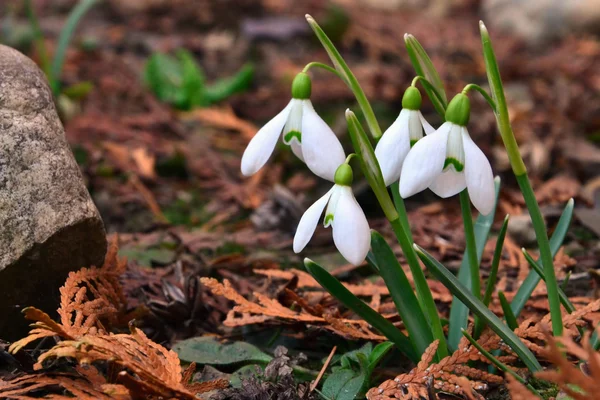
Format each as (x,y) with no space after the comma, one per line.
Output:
(410,151)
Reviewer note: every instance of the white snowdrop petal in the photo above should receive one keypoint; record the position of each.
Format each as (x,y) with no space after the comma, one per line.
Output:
(262,144)
(351,233)
(478,175)
(449,183)
(415,128)
(426,125)
(424,162)
(292,131)
(308,222)
(322,150)
(393,147)
(297,149)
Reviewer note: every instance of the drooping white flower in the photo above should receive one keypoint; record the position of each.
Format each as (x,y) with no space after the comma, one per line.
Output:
(397,140)
(310,138)
(448,161)
(351,233)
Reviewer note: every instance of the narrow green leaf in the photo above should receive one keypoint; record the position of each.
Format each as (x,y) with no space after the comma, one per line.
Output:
(510,318)
(224,88)
(419,331)
(477,307)
(347,76)
(378,353)
(529,284)
(63,41)
(425,68)
(459,313)
(498,363)
(540,272)
(491,281)
(347,298)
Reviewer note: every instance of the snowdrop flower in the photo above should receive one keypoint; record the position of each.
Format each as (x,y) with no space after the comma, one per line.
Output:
(310,138)
(448,161)
(401,136)
(351,233)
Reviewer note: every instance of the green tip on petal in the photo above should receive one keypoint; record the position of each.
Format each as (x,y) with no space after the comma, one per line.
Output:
(459,110)
(343,175)
(412,99)
(301,87)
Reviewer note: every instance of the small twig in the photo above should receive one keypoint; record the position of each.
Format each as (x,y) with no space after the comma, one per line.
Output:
(148,198)
(314,383)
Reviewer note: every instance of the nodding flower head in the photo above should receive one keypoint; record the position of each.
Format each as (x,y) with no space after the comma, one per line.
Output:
(301,128)
(401,136)
(351,233)
(447,161)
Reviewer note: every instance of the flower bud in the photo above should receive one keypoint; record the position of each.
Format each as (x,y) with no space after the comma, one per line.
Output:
(343,175)
(412,99)
(301,86)
(459,110)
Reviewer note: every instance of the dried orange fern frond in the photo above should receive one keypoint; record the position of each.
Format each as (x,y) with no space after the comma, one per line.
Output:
(572,380)
(89,299)
(61,387)
(146,368)
(264,309)
(452,374)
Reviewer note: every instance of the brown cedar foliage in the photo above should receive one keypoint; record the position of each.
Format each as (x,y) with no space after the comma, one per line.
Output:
(110,366)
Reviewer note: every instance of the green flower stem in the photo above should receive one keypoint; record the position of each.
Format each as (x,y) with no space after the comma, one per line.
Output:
(401,208)
(372,172)
(316,64)
(481,91)
(545,254)
(520,171)
(429,87)
(465,207)
(348,77)
(422,287)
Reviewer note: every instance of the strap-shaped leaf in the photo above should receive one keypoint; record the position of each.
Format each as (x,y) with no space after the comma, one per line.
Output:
(419,331)
(532,280)
(459,313)
(478,308)
(347,298)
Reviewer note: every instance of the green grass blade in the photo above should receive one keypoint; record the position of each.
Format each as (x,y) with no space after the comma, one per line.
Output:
(510,318)
(340,292)
(476,306)
(402,293)
(425,68)
(459,313)
(63,42)
(532,280)
(348,77)
(499,363)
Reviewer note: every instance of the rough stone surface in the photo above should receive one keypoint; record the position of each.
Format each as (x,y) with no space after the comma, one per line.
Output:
(48,222)
(541,21)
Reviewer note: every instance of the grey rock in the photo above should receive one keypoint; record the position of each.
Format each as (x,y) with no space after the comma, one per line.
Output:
(540,21)
(48,222)
(520,228)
